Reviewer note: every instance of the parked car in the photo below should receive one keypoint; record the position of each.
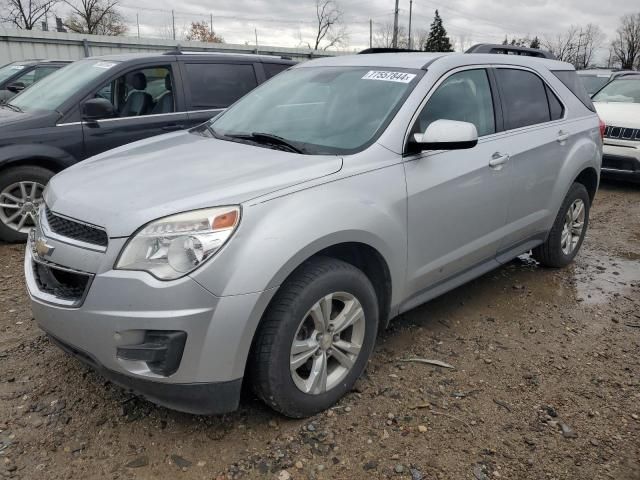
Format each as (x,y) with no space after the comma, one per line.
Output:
(618,104)
(99,103)
(16,76)
(595,79)
(272,243)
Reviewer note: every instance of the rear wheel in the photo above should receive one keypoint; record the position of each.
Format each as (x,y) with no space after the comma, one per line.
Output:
(20,197)
(316,338)
(568,231)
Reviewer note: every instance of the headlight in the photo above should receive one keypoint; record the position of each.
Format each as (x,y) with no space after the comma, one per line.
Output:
(173,246)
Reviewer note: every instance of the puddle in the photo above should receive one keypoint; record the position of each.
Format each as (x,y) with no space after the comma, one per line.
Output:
(608,277)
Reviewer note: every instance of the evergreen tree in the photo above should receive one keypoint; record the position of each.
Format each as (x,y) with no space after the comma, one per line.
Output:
(438,41)
(535,43)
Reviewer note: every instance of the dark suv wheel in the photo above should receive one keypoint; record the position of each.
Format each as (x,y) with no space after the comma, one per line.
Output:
(20,196)
(316,338)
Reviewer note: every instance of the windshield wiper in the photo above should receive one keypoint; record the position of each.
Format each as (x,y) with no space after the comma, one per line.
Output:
(269,139)
(10,106)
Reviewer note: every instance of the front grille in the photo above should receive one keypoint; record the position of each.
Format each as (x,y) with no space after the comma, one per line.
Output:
(82,232)
(622,133)
(61,283)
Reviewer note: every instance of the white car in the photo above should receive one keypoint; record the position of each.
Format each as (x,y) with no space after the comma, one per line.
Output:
(618,104)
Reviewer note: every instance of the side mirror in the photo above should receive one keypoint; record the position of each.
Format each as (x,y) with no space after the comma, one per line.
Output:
(447,135)
(96,109)
(16,87)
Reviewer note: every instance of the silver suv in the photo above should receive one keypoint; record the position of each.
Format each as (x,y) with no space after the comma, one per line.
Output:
(272,244)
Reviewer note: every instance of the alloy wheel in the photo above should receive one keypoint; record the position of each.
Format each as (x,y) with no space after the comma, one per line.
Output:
(19,203)
(573,227)
(327,343)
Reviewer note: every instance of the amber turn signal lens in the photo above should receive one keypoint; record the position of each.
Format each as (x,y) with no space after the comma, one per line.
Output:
(226,220)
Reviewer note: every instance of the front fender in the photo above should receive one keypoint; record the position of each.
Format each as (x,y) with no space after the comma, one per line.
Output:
(17,153)
(276,236)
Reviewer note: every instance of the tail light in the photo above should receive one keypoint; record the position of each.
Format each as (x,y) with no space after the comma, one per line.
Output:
(603,127)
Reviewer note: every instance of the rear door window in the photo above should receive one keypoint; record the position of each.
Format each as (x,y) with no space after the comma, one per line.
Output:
(524,98)
(218,85)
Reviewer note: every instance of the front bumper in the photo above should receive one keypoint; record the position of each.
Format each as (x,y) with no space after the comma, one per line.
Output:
(621,160)
(119,308)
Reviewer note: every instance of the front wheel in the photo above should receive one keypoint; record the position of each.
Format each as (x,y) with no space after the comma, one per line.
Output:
(568,231)
(20,197)
(316,338)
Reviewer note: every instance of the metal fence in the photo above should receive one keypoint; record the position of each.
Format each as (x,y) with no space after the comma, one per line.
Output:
(30,44)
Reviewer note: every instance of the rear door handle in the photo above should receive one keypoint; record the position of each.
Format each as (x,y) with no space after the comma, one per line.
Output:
(172,127)
(498,160)
(563,136)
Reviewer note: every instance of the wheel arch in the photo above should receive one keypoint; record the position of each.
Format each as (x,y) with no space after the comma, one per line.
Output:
(360,254)
(43,156)
(589,178)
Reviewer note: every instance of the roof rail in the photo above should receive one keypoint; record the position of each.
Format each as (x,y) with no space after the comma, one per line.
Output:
(510,50)
(177,51)
(386,50)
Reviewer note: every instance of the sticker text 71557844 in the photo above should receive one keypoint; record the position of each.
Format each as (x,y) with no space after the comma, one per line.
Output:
(387,76)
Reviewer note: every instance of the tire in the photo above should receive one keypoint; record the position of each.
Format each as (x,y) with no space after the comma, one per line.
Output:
(293,315)
(9,180)
(554,252)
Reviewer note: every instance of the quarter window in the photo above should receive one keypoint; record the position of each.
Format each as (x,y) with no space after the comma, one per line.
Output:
(464,96)
(524,97)
(555,107)
(218,85)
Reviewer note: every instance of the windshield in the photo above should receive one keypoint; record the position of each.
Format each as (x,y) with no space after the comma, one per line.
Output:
(623,90)
(320,110)
(53,90)
(593,83)
(10,70)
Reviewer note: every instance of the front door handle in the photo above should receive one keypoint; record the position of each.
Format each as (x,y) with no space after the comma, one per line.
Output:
(563,136)
(172,127)
(498,160)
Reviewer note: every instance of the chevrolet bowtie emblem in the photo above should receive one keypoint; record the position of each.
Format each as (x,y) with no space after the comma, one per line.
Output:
(43,248)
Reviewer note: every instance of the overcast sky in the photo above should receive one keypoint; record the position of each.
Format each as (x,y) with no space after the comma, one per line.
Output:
(285,22)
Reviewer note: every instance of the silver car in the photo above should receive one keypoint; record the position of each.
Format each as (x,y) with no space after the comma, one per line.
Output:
(272,244)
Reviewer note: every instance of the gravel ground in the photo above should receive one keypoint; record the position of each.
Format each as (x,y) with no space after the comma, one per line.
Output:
(546,385)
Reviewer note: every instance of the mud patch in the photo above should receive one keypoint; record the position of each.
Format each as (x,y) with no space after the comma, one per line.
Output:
(606,278)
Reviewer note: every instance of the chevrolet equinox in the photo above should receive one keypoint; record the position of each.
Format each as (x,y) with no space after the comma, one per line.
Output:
(271,244)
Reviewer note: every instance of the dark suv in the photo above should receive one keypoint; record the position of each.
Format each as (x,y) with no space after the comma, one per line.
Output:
(16,76)
(99,103)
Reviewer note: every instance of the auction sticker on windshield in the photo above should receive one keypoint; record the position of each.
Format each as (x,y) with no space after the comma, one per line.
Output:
(386,76)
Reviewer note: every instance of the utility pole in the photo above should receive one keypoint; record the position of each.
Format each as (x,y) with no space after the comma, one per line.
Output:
(395,27)
(173,24)
(256,31)
(138,24)
(211,23)
(370,33)
(410,13)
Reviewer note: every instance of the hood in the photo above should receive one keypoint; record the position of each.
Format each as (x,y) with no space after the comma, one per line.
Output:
(11,120)
(125,188)
(619,114)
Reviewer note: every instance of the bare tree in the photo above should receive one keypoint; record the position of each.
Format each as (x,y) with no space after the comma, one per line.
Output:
(201,32)
(590,39)
(25,14)
(626,47)
(383,36)
(563,45)
(330,29)
(96,17)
